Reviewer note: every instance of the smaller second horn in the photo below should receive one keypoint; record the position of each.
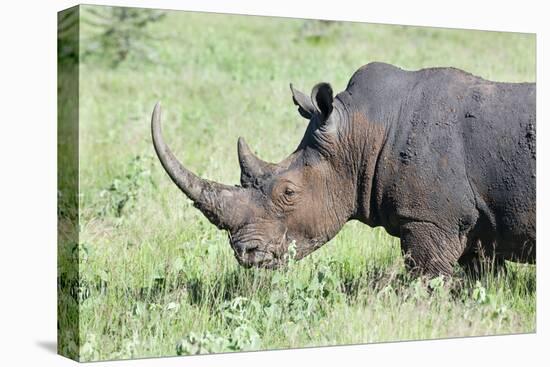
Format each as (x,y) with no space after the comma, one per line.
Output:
(251,166)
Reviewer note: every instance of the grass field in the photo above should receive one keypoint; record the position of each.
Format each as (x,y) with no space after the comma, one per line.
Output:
(157,279)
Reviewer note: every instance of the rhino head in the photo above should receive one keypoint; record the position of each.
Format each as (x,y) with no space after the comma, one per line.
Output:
(306,198)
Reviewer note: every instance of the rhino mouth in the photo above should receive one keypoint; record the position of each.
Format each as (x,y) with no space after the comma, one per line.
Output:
(252,254)
(251,250)
(258,259)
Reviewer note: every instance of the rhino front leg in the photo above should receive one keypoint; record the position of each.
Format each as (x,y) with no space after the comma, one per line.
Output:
(429,250)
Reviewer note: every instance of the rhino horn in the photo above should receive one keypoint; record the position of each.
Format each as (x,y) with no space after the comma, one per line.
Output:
(251,166)
(216,201)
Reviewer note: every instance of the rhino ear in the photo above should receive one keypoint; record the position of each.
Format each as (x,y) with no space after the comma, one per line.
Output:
(305,107)
(321,96)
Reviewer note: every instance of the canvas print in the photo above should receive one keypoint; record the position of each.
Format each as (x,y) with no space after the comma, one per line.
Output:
(234,183)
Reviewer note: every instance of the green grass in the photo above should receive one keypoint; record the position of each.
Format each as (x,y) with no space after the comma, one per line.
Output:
(157,279)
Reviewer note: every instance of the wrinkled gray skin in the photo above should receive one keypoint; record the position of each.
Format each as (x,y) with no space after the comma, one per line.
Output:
(440,158)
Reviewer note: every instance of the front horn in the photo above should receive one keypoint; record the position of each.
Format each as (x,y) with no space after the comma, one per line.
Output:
(221,204)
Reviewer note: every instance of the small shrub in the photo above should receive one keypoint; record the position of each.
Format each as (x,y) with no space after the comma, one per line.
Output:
(479,294)
(304,299)
(120,196)
(116,33)
(240,310)
(242,338)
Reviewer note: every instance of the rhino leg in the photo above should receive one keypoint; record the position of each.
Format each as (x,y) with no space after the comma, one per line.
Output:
(429,250)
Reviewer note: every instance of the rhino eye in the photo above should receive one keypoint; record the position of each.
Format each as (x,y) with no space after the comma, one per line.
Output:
(287,198)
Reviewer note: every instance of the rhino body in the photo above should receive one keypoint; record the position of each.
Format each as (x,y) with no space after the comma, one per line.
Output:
(440,158)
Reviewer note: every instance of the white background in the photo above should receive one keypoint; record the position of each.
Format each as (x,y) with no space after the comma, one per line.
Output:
(28,182)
